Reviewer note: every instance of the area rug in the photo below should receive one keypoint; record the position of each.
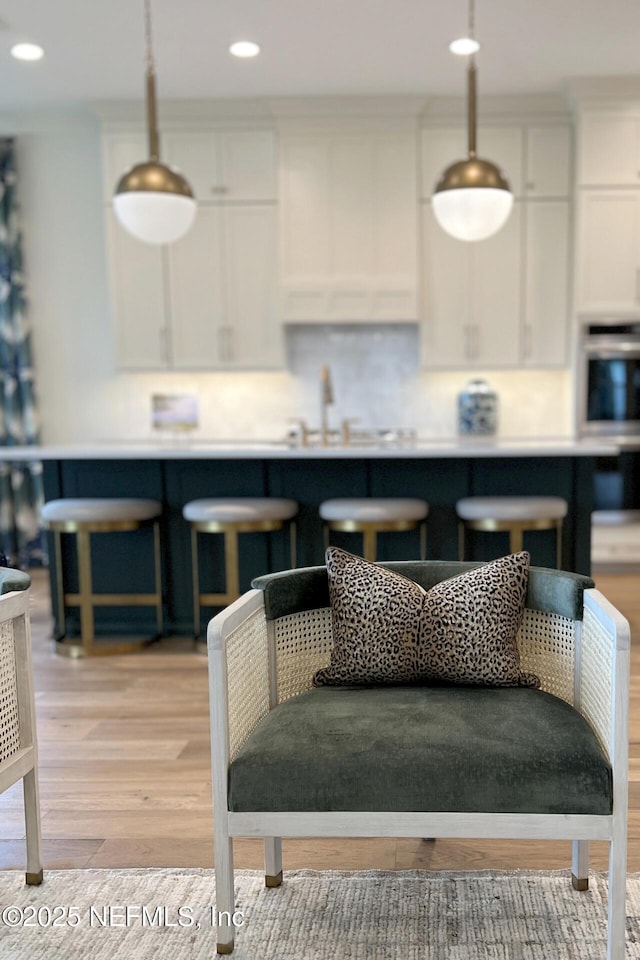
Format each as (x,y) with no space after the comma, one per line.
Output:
(384,915)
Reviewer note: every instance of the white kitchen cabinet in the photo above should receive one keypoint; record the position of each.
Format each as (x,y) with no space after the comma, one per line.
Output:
(609,149)
(208,300)
(231,165)
(138,299)
(348,227)
(225,164)
(546,278)
(229,320)
(442,146)
(472,297)
(502,302)
(548,161)
(608,254)
(536,160)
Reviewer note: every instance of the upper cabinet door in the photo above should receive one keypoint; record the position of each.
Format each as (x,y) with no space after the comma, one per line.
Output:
(138,300)
(548,162)
(252,336)
(196,298)
(609,150)
(195,154)
(608,263)
(348,227)
(546,300)
(225,165)
(248,164)
(495,296)
(446,331)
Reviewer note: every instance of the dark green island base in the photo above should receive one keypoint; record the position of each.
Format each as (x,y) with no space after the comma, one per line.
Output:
(124,561)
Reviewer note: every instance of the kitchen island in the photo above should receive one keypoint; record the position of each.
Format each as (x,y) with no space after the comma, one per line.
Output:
(439,471)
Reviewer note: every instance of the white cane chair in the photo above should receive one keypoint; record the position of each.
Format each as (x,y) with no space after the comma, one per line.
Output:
(263,652)
(18,748)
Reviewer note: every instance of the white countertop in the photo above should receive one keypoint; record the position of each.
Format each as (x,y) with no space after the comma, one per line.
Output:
(193,449)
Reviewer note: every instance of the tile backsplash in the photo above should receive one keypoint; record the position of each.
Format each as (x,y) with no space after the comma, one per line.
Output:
(376,378)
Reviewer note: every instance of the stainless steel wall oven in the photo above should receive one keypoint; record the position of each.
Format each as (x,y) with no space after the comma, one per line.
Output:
(609,396)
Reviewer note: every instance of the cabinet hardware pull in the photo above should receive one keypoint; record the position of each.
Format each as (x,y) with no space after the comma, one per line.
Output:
(531,185)
(219,189)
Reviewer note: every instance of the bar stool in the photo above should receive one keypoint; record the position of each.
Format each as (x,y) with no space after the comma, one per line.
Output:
(373,515)
(85,517)
(513,514)
(231,516)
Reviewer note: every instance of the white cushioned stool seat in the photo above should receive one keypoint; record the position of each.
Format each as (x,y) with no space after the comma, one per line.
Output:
(100,509)
(373,515)
(512,508)
(372,509)
(239,509)
(516,515)
(85,518)
(232,516)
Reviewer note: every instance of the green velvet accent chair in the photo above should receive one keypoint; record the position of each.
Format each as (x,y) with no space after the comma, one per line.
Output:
(439,760)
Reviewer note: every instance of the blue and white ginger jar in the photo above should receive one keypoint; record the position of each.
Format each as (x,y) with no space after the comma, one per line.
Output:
(477,410)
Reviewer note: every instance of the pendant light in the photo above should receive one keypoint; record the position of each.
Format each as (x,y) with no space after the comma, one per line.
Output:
(472,200)
(153,202)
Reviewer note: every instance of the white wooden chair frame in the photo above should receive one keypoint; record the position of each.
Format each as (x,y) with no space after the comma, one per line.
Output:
(18,746)
(255,664)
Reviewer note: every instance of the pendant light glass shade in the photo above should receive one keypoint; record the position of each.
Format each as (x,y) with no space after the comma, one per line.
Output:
(472,199)
(152,201)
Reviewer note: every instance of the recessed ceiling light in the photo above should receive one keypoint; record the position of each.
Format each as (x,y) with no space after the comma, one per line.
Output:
(27,51)
(244,48)
(464,46)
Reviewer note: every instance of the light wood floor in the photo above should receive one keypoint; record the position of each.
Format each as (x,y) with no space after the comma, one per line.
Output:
(125,773)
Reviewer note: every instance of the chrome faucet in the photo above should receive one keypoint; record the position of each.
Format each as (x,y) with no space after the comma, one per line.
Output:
(326,398)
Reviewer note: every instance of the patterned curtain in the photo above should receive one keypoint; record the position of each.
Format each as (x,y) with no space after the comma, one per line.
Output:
(21,539)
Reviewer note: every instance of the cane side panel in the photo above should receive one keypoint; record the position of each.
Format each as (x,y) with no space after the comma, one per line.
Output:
(9,714)
(247,678)
(596,678)
(547,646)
(303,645)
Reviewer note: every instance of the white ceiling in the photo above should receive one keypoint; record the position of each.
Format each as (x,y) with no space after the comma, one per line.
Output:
(94,50)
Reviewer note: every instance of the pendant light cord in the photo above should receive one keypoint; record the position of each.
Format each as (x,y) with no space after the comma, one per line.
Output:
(154,146)
(147,36)
(471,86)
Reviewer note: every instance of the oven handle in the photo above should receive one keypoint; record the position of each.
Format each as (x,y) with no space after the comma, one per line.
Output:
(610,351)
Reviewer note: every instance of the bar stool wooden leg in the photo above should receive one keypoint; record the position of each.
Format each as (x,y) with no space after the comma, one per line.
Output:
(85,588)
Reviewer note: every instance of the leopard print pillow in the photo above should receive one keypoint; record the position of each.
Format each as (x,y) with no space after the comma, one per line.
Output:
(387,629)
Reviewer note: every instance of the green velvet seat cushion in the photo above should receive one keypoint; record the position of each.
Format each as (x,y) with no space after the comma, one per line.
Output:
(422,748)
